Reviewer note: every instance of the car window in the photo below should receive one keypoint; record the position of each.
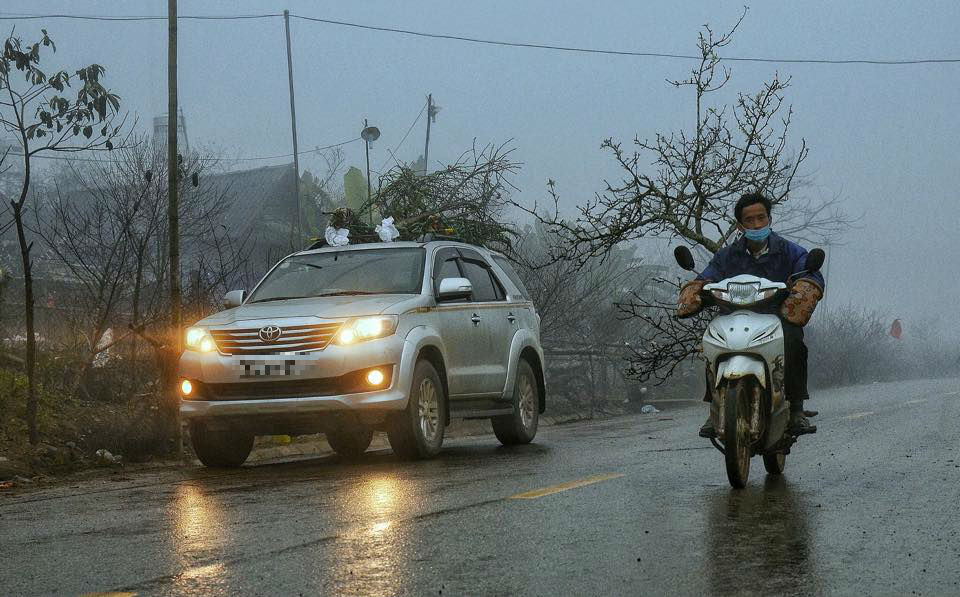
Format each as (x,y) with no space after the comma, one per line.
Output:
(483,284)
(507,268)
(372,271)
(445,266)
(448,269)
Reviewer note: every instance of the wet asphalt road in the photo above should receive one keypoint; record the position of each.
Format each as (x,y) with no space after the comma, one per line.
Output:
(869,505)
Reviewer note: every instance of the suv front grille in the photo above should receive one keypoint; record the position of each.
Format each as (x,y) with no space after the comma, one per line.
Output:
(293,338)
(328,386)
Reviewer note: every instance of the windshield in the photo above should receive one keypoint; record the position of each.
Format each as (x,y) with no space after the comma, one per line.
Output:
(344,273)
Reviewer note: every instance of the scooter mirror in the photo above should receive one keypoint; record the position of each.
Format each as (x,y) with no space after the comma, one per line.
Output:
(684,258)
(814,260)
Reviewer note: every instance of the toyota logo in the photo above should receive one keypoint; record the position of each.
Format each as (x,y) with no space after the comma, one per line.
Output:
(270,333)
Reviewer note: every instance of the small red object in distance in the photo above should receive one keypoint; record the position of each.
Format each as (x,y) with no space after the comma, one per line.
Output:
(896,329)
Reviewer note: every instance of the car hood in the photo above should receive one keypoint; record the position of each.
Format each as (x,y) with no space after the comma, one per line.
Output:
(328,307)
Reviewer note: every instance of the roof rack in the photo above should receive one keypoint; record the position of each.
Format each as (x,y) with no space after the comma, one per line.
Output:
(423,238)
(432,236)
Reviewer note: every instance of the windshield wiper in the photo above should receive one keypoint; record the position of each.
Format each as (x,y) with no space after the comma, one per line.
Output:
(345,293)
(276,298)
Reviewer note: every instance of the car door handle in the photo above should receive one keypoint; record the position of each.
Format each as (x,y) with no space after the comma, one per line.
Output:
(511,317)
(475,319)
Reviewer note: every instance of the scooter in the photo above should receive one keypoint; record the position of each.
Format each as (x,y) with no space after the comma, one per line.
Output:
(743,347)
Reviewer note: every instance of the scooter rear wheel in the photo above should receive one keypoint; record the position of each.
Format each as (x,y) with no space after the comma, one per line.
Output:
(736,431)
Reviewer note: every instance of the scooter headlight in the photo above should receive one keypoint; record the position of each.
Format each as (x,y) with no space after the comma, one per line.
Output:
(743,294)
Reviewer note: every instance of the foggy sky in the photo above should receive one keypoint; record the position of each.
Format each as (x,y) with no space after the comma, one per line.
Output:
(884,138)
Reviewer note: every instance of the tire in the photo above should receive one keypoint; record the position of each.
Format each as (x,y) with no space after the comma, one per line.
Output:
(520,427)
(736,431)
(220,449)
(417,432)
(775,463)
(350,441)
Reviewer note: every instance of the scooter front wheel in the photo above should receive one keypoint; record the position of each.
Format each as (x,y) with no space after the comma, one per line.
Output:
(775,463)
(736,430)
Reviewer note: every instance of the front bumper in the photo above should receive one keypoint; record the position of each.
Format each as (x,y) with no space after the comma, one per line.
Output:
(332,361)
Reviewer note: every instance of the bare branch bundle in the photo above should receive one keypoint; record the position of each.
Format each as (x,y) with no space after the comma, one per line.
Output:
(467,196)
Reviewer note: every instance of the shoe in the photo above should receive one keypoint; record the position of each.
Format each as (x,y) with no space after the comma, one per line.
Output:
(799,424)
(707,430)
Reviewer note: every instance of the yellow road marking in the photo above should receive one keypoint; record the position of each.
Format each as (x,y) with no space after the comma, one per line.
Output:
(917,401)
(858,415)
(536,493)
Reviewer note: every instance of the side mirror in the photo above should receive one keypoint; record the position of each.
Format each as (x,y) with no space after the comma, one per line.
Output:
(234,298)
(454,288)
(684,258)
(814,260)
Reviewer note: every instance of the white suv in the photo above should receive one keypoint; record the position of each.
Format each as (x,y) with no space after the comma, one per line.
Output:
(399,336)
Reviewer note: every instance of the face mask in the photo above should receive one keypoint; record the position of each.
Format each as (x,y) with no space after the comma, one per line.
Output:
(758,235)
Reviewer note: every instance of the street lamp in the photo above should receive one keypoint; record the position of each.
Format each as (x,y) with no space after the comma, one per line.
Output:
(369,134)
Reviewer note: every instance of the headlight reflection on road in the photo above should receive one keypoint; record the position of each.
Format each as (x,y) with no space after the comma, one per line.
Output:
(369,559)
(199,534)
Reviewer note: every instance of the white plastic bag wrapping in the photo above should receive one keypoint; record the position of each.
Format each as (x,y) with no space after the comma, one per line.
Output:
(337,237)
(387,231)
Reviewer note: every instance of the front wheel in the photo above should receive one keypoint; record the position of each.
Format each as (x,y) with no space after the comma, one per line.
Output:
(775,463)
(417,431)
(220,449)
(520,426)
(350,442)
(736,431)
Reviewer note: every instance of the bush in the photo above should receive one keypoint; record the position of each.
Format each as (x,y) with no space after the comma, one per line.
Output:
(852,345)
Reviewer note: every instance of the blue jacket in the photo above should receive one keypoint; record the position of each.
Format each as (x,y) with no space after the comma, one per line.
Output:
(782,259)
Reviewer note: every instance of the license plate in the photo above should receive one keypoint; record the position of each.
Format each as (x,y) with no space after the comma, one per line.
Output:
(260,368)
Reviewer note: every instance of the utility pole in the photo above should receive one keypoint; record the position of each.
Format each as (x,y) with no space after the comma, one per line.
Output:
(293,126)
(173,211)
(366,144)
(426,146)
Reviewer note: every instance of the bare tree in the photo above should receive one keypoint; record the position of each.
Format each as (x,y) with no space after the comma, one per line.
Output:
(105,225)
(683,184)
(36,109)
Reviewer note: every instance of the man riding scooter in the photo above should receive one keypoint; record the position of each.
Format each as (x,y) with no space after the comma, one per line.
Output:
(760,252)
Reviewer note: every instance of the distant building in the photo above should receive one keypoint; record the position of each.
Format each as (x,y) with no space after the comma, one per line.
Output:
(160,132)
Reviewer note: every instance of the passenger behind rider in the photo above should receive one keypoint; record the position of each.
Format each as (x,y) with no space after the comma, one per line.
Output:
(760,252)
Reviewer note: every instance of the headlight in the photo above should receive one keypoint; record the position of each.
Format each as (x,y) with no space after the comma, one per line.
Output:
(743,294)
(366,328)
(200,340)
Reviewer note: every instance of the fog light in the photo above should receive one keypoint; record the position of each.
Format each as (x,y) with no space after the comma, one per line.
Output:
(186,388)
(375,377)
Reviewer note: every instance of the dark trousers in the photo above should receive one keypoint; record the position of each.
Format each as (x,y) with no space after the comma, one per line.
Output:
(795,365)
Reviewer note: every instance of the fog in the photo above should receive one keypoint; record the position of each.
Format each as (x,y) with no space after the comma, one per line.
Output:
(882,138)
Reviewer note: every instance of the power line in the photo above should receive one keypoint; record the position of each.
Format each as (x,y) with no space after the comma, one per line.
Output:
(476,40)
(397,148)
(32,17)
(620,52)
(265,157)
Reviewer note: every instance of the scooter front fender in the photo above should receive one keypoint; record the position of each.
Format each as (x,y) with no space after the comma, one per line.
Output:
(739,366)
